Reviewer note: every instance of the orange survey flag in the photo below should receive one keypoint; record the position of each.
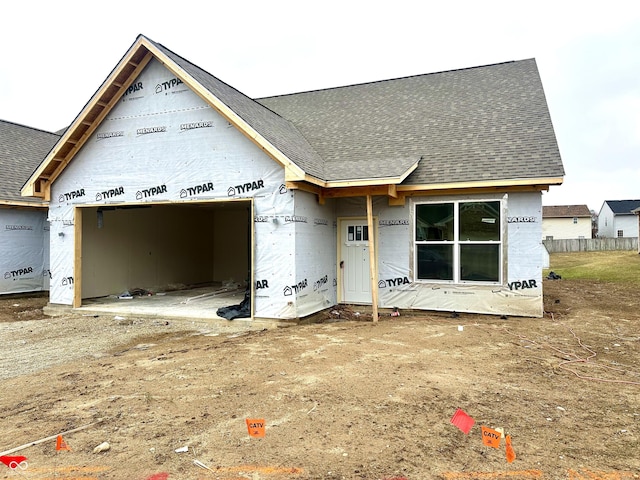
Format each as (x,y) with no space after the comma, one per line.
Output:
(61,444)
(255,427)
(490,437)
(511,455)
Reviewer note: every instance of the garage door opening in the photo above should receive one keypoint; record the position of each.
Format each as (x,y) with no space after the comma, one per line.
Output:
(192,253)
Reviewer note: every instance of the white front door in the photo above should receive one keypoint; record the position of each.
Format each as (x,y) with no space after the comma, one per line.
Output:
(354,261)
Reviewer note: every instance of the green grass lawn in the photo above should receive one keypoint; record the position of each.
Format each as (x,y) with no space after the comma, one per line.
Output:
(615,266)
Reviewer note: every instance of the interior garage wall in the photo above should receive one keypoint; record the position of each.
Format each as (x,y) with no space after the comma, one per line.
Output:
(231,244)
(162,246)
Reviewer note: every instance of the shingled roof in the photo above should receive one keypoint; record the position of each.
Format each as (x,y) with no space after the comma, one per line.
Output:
(21,151)
(623,207)
(478,127)
(475,124)
(565,211)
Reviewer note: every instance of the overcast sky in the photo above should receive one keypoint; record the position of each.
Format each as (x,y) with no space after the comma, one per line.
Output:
(55,55)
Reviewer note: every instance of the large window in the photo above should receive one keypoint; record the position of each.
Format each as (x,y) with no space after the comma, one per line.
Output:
(458,241)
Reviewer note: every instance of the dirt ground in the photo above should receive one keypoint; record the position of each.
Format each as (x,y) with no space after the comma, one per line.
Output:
(342,399)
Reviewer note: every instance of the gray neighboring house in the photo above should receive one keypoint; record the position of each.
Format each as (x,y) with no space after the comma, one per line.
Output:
(24,230)
(617,220)
(421,192)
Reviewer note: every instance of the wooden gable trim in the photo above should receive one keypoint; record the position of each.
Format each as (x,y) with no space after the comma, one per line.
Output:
(89,119)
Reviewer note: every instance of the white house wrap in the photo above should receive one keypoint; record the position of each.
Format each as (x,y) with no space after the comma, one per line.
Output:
(24,243)
(24,231)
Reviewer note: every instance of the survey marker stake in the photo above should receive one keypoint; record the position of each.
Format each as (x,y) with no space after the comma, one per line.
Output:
(198,463)
(52,437)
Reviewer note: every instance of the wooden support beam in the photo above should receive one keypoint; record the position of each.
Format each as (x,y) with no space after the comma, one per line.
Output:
(398,201)
(44,189)
(77,258)
(307,187)
(252,261)
(356,191)
(373,266)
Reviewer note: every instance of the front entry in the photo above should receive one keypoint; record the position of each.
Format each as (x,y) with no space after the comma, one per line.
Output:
(354,261)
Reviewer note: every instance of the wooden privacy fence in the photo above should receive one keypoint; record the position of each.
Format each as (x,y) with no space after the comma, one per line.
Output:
(590,244)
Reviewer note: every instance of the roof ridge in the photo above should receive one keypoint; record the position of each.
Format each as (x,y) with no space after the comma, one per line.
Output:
(394,79)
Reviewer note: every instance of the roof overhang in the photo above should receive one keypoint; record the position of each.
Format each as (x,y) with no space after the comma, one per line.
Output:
(398,193)
(293,178)
(23,204)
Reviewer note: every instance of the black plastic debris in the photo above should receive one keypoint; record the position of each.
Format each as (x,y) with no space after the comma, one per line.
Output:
(242,310)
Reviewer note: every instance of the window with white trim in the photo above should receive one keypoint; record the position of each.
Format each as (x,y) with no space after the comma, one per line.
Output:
(458,241)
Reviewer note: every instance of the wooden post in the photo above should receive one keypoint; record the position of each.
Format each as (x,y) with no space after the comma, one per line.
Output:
(373,265)
(77,257)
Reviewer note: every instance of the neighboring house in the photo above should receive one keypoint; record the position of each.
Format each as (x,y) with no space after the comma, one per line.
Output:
(24,230)
(616,219)
(421,192)
(636,212)
(566,222)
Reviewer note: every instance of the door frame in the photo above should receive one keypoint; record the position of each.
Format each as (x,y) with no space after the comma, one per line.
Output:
(373,240)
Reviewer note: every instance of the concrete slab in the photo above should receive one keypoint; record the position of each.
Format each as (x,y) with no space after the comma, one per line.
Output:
(199,303)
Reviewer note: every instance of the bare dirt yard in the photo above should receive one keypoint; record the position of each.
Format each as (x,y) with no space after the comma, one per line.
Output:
(345,399)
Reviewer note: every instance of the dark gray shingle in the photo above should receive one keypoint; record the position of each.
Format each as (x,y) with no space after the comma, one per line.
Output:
(482,123)
(21,151)
(623,207)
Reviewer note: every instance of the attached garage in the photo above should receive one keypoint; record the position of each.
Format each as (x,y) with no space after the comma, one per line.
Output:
(160,246)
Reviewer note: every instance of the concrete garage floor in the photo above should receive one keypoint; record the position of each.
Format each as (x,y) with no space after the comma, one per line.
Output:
(194,303)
